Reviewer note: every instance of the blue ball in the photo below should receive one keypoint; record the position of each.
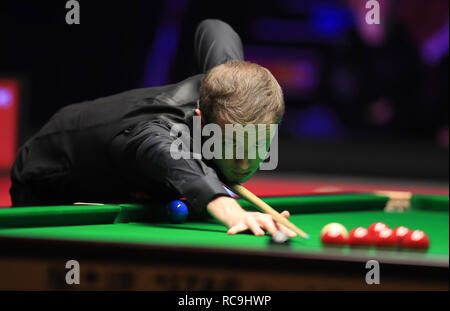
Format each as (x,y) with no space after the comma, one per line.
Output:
(177,211)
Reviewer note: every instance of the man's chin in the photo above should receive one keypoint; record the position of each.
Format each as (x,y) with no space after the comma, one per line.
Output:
(242,179)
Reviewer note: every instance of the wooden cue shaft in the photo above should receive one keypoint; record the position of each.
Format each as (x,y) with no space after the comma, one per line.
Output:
(264,207)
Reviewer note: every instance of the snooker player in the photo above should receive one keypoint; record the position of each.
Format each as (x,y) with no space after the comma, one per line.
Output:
(113,148)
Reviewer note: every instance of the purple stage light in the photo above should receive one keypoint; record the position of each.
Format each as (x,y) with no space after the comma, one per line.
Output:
(5,98)
(436,47)
(323,22)
(165,45)
(314,122)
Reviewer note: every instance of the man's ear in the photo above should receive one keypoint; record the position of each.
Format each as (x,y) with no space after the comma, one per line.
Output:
(199,114)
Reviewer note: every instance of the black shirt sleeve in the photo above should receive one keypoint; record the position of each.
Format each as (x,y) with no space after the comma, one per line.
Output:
(216,43)
(143,152)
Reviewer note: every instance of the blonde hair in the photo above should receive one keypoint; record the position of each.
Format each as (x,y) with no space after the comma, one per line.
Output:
(240,92)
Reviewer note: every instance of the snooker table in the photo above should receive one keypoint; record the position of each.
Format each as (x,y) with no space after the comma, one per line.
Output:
(127,247)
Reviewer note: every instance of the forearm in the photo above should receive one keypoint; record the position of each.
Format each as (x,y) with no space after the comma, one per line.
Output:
(226,210)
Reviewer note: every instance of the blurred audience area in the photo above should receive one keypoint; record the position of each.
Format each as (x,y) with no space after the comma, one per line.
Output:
(361,99)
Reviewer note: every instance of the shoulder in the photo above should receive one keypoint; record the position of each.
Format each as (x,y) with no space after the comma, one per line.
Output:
(185,91)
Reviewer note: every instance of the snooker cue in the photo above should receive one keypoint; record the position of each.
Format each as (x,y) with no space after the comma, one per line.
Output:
(265,208)
(86,203)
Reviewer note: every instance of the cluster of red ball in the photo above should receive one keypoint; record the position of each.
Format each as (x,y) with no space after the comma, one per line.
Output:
(378,234)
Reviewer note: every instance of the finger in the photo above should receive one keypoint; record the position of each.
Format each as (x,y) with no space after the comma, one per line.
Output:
(285,214)
(267,223)
(238,228)
(285,229)
(254,226)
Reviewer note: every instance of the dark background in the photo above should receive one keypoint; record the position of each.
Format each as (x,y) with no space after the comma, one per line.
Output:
(359,103)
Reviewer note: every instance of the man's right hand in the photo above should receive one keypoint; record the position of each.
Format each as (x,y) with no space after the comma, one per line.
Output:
(228,211)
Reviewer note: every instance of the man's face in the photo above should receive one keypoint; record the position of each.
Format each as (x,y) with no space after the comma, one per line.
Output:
(239,169)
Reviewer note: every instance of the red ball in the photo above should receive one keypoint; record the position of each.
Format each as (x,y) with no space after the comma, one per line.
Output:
(336,237)
(400,232)
(360,236)
(416,239)
(334,233)
(385,238)
(377,227)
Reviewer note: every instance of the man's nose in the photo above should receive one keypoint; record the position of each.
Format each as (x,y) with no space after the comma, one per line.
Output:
(242,164)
